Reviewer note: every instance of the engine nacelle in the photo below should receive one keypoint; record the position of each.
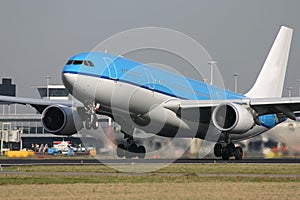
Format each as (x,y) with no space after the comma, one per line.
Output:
(232,118)
(61,120)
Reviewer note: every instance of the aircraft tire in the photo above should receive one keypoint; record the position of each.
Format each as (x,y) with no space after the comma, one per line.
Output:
(238,154)
(95,125)
(228,151)
(230,148)
(121,150)
(88,124)
(128,154)
(133,149)
(141,152)
(218,150)
(225,155)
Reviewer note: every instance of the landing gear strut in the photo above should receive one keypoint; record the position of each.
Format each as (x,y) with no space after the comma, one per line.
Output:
(228,150)
(130,149)
(91,116)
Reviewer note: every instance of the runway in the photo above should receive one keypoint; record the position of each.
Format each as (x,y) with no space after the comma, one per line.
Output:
(78,161)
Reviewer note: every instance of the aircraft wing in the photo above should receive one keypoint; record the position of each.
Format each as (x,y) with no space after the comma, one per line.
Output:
(285,105)
(262,106)
(38,104)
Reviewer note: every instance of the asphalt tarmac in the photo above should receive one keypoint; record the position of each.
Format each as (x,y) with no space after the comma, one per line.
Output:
(78,161)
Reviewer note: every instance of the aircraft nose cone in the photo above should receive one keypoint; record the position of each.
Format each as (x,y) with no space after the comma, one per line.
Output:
(68,81)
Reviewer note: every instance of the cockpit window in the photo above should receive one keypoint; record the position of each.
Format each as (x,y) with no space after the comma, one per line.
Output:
(80,62)
(88,63)
(77,62)
(69,62)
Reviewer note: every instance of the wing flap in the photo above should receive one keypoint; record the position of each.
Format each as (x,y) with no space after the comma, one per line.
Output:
(196,110)
(285,105)
(262,106)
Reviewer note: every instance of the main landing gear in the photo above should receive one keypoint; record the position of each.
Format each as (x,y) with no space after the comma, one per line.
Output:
(130,149)
(228,150)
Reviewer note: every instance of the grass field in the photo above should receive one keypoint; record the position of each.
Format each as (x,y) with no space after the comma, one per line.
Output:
(206,181)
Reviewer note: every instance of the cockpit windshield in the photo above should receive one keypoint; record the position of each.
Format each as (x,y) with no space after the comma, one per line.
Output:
(80,62)
(88,63)
(77,62)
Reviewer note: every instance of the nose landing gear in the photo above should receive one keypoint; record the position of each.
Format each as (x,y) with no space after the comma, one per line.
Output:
(92,122)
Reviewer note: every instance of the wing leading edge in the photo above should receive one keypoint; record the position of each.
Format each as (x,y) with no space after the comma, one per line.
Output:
(38,104)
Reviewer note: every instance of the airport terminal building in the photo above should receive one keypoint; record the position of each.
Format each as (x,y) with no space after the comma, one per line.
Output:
(24,130)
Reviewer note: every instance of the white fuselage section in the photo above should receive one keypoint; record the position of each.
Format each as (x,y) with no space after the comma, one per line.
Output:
(131,105)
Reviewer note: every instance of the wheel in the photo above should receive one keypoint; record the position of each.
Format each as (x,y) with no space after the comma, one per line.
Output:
(133,149)
(228,151)
(218,150)
(231,148)
(88,124)
(225,155)
(141,152)
(128,154)
(238,154)
(121,150)
(95,124)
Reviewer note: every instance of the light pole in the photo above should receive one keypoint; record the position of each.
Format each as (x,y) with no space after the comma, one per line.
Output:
(211,63)
(235,82)
(48,81)
(290,91)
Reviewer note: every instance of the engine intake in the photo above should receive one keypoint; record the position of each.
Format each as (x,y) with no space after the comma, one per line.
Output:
(232,118)
(61,120)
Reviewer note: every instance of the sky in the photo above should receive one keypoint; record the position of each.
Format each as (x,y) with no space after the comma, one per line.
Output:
(38,37)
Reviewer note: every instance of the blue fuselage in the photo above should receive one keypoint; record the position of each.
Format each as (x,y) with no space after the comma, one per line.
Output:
(120,69)
(108,66)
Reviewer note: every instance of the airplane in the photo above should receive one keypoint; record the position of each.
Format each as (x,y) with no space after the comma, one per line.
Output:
(161,102)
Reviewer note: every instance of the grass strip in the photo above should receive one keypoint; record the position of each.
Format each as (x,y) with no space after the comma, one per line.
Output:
(174,168)
(15,179)
(175,173)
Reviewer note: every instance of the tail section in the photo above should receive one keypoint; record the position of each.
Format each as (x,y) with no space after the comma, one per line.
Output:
(271,78)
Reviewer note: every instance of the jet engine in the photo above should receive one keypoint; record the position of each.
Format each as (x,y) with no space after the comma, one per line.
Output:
(61,120)
(232,118)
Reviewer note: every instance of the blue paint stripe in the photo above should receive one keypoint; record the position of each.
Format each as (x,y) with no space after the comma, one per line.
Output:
(124,81)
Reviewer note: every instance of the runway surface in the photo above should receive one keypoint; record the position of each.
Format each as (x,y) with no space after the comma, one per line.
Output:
(78,161)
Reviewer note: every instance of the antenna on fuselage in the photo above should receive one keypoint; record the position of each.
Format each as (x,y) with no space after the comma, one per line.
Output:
(105,50)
